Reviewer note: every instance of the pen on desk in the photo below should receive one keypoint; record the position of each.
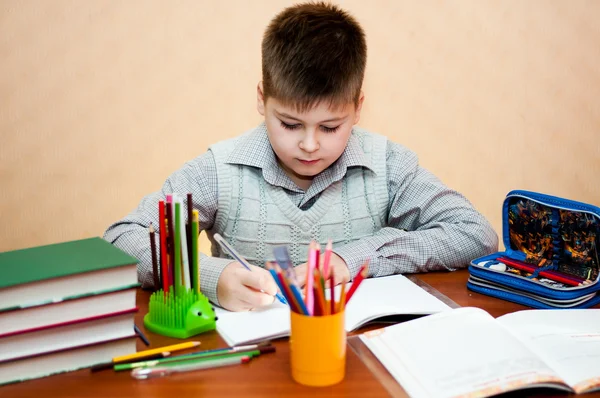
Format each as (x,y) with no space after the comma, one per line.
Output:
(146,373)
(225,245)
(111,364)
(199,357)
(141,334)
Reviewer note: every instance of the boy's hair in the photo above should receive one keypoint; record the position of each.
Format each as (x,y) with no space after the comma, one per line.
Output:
(313,52)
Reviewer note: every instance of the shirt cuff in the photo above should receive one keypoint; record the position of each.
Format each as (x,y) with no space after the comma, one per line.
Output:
(210,271)
(355,254)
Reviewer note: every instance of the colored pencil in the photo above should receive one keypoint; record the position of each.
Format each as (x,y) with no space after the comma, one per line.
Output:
(342,303)
(317,256)
(291,299)
(282,257)
(112,364)
(164,268)
(146,353)
(550,274)
(194,228)
(185,263)
(270,267)
(332,291)
(168,259)
(208,355)
(327,258)
(141,334)
(145,373)
(171,239)
(177,248)
(308,291)
(238,257)
(320,300)
(361,275)
(188,233)
(296,293)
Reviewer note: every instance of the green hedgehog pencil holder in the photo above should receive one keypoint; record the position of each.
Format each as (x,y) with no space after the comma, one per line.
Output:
(181,313)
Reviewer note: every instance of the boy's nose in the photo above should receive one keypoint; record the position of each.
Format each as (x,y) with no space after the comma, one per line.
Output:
(309,143)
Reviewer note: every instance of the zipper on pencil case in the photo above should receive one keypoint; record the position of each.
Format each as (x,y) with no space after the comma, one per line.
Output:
(559,203)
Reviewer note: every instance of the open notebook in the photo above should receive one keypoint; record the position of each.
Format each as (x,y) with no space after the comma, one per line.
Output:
(374,299)
(465,352)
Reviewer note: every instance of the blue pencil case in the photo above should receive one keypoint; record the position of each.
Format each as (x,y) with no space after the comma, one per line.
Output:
(551,257)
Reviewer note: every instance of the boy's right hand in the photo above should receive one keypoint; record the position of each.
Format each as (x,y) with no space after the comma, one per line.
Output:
(241,290)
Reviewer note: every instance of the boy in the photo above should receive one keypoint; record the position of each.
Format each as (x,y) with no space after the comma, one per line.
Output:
(308,173)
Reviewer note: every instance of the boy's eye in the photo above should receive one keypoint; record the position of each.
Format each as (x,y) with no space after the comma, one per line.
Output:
(326,129)
(289,126)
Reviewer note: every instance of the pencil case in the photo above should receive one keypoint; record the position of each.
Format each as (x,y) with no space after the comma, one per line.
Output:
(551,255)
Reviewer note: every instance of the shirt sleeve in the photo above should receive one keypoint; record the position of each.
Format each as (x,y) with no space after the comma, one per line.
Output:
(130,234)
(429,226)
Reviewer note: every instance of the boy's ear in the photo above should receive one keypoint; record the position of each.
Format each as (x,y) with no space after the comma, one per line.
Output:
(359,107)
(260,99)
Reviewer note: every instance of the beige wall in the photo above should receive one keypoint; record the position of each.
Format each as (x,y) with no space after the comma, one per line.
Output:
(101,100)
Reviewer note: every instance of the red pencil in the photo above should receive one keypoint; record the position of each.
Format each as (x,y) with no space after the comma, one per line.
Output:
(171,237)
(550,274)
(361,275)
(163,246)
(320,299)
(288,292)
(332,291)
(318,254)
(327,258)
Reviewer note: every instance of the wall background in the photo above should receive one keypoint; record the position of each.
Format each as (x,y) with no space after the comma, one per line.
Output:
(101,100)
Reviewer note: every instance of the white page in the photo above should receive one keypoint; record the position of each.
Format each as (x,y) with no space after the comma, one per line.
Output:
(253,326)
(390,295)
(374,298)
(569,340)
(454,353)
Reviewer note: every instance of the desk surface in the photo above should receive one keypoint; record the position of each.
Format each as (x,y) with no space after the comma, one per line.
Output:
(265,376)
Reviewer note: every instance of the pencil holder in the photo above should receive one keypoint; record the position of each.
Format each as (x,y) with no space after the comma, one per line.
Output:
(318,349)
(181,315)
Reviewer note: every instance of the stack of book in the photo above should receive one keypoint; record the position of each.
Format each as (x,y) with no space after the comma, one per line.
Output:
(65,307)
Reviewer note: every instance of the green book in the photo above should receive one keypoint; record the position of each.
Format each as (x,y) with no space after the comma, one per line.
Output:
(62,271)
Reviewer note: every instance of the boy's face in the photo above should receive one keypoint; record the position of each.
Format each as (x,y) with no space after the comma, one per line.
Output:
(309,142)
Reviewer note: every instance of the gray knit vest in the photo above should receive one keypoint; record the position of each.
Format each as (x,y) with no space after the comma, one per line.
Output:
(255,216)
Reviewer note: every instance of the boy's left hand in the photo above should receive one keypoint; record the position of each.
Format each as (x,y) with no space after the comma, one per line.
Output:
(341,274)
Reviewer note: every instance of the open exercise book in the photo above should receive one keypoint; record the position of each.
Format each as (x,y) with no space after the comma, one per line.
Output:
(465,352)
(375,298)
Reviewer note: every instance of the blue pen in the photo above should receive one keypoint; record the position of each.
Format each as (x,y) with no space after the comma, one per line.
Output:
(225,245)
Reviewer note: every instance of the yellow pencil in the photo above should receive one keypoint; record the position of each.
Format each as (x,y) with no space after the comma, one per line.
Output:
(340,306)
(145,353)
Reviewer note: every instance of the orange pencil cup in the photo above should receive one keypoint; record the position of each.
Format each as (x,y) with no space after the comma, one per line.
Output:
(318,349)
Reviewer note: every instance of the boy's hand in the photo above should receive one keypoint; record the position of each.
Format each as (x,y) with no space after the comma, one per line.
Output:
(240,290)
(341,274)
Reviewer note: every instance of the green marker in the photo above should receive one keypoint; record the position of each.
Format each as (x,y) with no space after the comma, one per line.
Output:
(193,358)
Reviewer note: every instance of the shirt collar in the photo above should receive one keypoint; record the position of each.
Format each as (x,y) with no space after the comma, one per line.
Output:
(255,150)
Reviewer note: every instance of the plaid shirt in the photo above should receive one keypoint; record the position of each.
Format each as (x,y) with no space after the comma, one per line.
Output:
(429,226)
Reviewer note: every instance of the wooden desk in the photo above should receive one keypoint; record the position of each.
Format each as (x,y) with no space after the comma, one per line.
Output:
(268,375)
